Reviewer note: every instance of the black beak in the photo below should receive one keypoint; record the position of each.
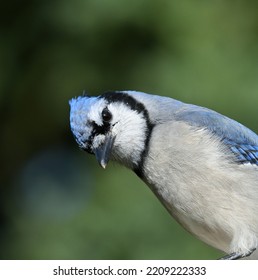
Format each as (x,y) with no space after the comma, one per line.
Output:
(103,152)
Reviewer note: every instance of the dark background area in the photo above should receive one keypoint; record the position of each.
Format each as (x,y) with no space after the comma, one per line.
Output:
(56,202)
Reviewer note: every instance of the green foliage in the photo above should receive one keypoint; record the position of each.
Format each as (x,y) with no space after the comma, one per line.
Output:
(55,201)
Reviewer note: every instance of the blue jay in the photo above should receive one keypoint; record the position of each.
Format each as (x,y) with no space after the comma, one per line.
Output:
(201,165)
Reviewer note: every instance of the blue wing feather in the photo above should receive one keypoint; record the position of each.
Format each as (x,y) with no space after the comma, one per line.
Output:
(242,141)
(245,153)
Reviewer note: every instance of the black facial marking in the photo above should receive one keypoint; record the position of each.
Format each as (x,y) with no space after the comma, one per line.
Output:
(96,130)
(128,100)
(100,129)
(139,169)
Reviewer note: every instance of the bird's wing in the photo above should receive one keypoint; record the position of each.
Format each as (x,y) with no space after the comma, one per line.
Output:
(242,141)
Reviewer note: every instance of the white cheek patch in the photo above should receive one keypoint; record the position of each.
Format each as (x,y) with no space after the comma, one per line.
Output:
(130,130)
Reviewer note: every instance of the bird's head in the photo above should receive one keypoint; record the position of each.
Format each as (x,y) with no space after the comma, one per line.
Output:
(113,126)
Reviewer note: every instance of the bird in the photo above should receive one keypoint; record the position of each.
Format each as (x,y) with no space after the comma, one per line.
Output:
(200,164)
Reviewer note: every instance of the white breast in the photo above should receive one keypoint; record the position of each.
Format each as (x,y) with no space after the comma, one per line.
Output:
(201,188)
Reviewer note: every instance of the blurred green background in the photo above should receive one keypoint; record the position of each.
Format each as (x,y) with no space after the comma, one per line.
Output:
(56,202)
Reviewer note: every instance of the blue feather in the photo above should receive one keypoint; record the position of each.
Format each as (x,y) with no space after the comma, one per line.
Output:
(245,153)
(242,141)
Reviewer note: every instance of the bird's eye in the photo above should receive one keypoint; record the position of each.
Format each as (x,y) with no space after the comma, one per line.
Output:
(106,115)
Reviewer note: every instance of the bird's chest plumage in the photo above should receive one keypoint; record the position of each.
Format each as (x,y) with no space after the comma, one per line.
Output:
(178,170)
